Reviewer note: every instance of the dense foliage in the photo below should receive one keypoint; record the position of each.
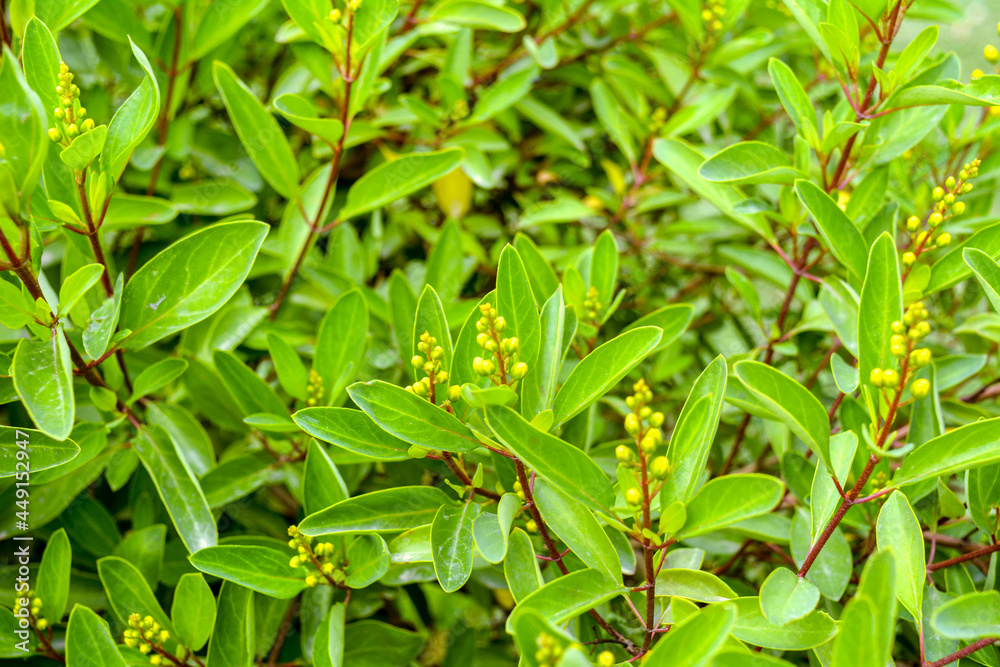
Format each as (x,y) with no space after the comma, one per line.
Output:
(456,332)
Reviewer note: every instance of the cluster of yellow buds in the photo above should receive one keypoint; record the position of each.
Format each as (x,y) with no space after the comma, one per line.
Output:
(642,423)
(70,115)
(146,635)
(712,14)
(430,364)
(34,609)
(658,119)
(459,110)
(549,650)
(592,304)
(319,556)
(519,490)
(500,365)
(314,390)
(946,206)
(905,334)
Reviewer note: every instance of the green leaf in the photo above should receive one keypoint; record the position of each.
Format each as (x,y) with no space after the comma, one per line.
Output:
(568,596)
(969,446)
(478,15)
(412,418)
(749,163)
(128,593)
(157,376)
(795,100)
(328,649)
(251,392)
(952,268)
(232,643)
(322,485)
(547,119)
(43,378)
(132,122)
(188,281)
(753,627)
(340,344)
(899,529)
(609,113)
(352,430)
(602,369)
(855,643)
(824,498)
(103,321)
(557,461)
(784,597)
(881,305)
(492,531)
(211,197)
(220,22)
(982,92)
(34,449)
(575,525)
(694,641)
(85,148)
(431,318)
(54,575)
(694,434)
(23,128)
(692,585)
(76,285)
(259,132)
(520,567)
(394,180)
(838,231)
(452,544)
(388,511)
(831,571)
(791,403)
(726,500)
(58,14)
(16,309)
(987,272)
(177,487)
(193,610)
(89,642)
(502,95)
(292,374)
(516,304)
(259,568)
(969,617)
(538,389)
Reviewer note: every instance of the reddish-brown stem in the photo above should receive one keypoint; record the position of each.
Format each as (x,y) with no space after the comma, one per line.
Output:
(93,234)
(4,33)
(958,655)
(972,555)
(286,625)
(463,476)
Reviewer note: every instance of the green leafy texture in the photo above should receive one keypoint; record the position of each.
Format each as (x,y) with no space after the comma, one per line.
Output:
(568,596)
(791,403)
(785,597)
(259,132)
(43,379)
(575,525)
(520,567)
(726,500)
(602,369)
(831,571)
(23,128)
(839,232)
(302,112)
(967,447)
(881,305)
(516,304)
(389,511)
(876,628)
(368,558)
(412,418)
(39,449)
(982,487)
(220,22)
(85,148)
(824,498)
(89,642)
(898,529)
(396,179)
(683,161)
(987,272)
(177,488)
(452,544)
(322,484)
(691,441)
(16,310)
(795,100)
(188,281)
(609,113)
(492,531)
(53,575)
(749,163)
(328,647)
(103,321)
(529,628)
(41,62)
(232,643)
(502,95)
(555,460)
(352,430)
(952,269)
(431,318)
(753,627)
(673,320)
(982,92)
(479,15)
(538,388)
(340,344)
(855,641)
(128,593)
(157,376)
(292,374)
(189,436)
(692,585)
(444,263)
(259,568)
(132,122)
(193,610)
(969,617)
(76,285)
(694,641)
(603,275)
(250,391)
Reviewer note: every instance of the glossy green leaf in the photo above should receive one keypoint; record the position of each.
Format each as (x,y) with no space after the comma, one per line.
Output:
(503,94)
(969,446)
(128,593)
(388,511)
(393,180)
(576,526)
(352,430)
(569,596)
(193,610)
(516,304)
(259,568)
(969,617)
(340,344)
(609,113)
(753,627)
(749,163)
(452,544)
(492,530)
(898,529)
(839,232)
(726,500)
(695,585)
(479,15)
(987,272)
(232,643)
(694,641)
(785,597)
(35,450)
(520,567)
(157,376)
(221,21)
(89,642)
(54,575)
(132,122)
(881,305)
(43,378)
(795,100)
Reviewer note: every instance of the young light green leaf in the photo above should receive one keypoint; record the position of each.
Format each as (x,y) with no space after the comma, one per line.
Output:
(43,378)
(396,179)
(452,544)
(753,627)
(220,22)
(569,596)
(576,526)
(726,500)
(352,430)
(784,597)
(970,617)
(969,446)
(695,585)
(899,529)
(157,376)
(89,642)
(502,95)
(795,100)
(389,511)
(839,232)
(259,568)
(340,344)
(322,485)
(492,531)
(609,113)
(479,15)
(193,610)
(694,641)
(881,305)
(987,272)
(132,122)
(749,163)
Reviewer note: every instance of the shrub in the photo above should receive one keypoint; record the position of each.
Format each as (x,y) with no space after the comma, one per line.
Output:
(473,333)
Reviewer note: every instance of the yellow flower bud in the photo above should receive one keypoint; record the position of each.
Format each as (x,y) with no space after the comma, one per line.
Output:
(623,453)
(659,467)
(295,562)
(606,659)
(877,377)
(991,54)
(156,660)
(519,371)
(913,223)
(943,239)
(144,648)
(909,258)
(959,207)
(898,327)
(935,219)
(890,378)
(55,134)
(920,388)
(632,424)
(633,496)
(42,624)
(976,74)
(454,393)
(531,526)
